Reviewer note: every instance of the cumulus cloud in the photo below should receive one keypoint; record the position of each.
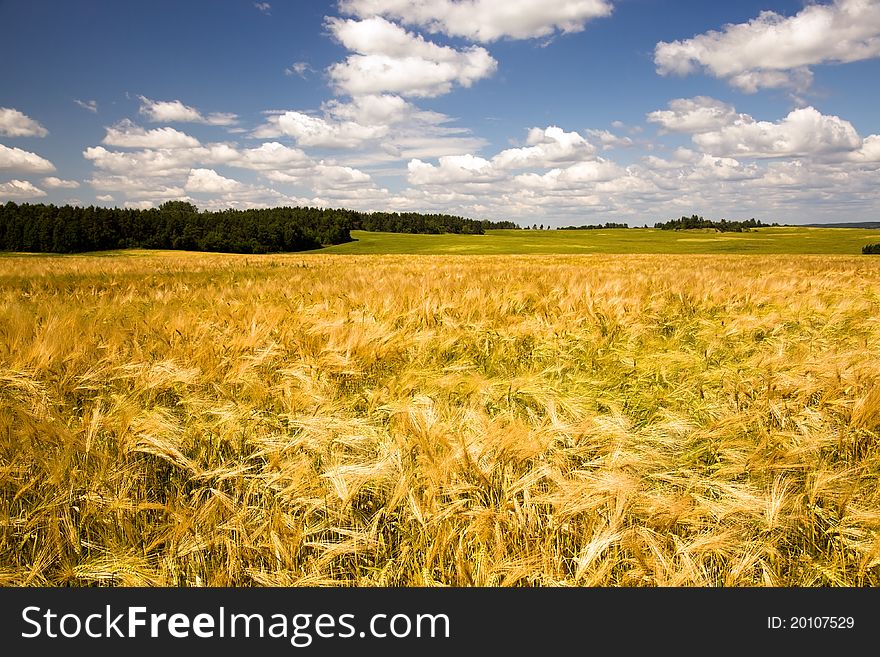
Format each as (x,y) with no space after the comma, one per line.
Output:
(870,150)
(486,20)
(390,59)
(381,110)
(452,169)
(738,167)
(174,111)
(775,51)
(15,124)
(210,182)
(318,132)
(694,115)
(609,140)
(58,183)
(143,163)
(263,7)
(268,156)
(138,187)
(709,167)
(336,176)
(804,132)
(545,147)
(104,198)
(166,174)
(382,127)
(170,162)
(321,174)
(128,135)
(576,175)
(20,189)
(21,160)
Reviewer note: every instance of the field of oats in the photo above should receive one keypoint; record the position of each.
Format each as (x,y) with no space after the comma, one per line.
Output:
(181,419)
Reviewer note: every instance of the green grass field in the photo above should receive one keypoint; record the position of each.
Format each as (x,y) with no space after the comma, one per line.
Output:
(843,241)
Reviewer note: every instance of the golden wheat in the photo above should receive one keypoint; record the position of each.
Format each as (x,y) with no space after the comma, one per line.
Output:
(194,419)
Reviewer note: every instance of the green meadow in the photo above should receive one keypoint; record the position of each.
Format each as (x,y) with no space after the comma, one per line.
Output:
(786,239)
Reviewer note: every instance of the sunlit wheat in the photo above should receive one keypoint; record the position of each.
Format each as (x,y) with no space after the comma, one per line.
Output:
(195,419)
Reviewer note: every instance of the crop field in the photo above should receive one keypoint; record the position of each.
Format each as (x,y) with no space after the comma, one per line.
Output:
(784,239)
(184,419)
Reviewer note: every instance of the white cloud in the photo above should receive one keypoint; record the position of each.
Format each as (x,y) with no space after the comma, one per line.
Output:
(817,161)
(299,68)
(20,189)
(609,140)
(799,79)
(58,183)
(142,163)
(90,105)
(709,167)
(128,135)
(210,182)
(21,160)
(250,197)
(383,127)
(104,198)
(390,59)
(138,187)
(268,156)
(381,110)
(335,176)
(174,111)
(804,132)
(486,20)
(551,146)
(546,147)
(138,205)
(317,132)
(694,115)
(323,175)
(15,124)
(775,51)
(172,162)
(629,184)
(575,176)
(263,7)
(452,169)
(870,150)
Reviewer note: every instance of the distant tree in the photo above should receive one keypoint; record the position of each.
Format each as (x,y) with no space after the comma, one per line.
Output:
(697,222)
(872,249)
(596,227)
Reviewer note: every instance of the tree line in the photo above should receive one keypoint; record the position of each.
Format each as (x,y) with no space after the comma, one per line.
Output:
(180,225)
(608,224)
(723,226)
(414,222)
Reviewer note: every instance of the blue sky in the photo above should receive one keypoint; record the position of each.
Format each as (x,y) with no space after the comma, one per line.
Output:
(554,112)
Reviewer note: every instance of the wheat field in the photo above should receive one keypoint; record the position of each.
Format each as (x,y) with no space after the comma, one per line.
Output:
(180,419)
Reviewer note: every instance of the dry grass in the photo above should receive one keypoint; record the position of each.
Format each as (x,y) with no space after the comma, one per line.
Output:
(183,419)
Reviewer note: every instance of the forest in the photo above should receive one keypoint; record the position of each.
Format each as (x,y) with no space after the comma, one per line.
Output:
(413,222)
(180,225)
